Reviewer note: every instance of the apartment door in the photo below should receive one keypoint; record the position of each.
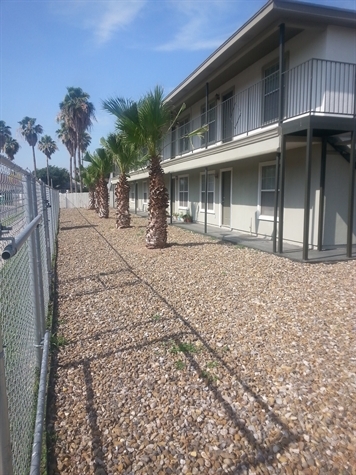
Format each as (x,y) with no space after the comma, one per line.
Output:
(227,116)
(226,198)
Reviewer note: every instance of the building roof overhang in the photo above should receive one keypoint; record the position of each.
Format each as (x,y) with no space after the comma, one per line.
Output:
(259,35)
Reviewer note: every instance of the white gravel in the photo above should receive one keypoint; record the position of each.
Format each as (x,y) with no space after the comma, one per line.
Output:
(201,358)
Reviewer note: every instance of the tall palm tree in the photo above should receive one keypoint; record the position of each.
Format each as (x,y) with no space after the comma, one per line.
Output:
(48,146)
(30,131)
(67,137)
(144,124)
(5,133)
(11,148)
(101,162)
(126,157)
(84,142)
(77,112)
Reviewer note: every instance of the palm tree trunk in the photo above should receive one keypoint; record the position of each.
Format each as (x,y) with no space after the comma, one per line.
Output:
(75,170)
(71,174)
(34,161)
(156,233)
(91,204)
(79,170)
(103,198)
(47,173)
(122,194)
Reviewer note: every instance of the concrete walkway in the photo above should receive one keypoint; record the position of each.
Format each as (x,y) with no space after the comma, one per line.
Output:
(290,251)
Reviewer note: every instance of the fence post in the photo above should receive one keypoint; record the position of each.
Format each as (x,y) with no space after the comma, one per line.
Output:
(35,268)
(46,228)
(5,446)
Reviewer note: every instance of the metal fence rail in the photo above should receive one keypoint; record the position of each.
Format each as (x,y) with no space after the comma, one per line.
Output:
(28,226)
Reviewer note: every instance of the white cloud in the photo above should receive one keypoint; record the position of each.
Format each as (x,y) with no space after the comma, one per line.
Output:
(102,17)
(197,22)
(115,16)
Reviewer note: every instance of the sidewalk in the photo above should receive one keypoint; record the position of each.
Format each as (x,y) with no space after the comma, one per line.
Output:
(335,253)
(200,358)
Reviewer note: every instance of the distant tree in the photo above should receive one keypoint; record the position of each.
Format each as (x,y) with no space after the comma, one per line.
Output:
(30,131)
(5,133)
(77,112)
(67,136)
(47,146)
(11,148)
(59,176)
(90,178)
(101,163)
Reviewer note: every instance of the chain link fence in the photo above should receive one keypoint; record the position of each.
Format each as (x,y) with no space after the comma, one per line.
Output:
(28,226)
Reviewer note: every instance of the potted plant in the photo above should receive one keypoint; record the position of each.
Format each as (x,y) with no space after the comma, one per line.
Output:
(187,217)
(175,216)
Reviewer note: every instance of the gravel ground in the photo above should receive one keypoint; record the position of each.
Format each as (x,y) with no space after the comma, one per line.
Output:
(202,358)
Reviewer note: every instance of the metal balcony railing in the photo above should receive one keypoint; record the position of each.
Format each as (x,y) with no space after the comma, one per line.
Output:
(319,87)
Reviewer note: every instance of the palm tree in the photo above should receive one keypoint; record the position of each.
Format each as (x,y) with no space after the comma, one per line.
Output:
(48,146)
(126,157)
(67,137)
(101,162)
(77,112)
(89,176)
(144,124)
(30,132)
(5,133)
(84,142)
(11,148)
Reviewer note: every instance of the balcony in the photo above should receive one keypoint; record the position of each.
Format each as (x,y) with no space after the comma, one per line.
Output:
(316,87)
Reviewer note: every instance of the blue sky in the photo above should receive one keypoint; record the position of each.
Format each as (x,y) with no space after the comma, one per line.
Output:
(108,48)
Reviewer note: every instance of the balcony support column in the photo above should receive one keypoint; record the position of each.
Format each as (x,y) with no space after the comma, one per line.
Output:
(206,112)
(281,193)
(307,193)
(322,194)
(281,72)
(171,198)
(136,196)
(206,202)
(275,215)
(351,195)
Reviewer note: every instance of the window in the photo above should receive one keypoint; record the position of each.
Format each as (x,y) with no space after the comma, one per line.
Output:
(184,127)
(132,192)
(210,121)
(267,183)
(211,191)
(145,193)
(183,192)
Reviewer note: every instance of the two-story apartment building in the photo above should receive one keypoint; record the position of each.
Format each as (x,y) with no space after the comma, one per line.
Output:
(278,158)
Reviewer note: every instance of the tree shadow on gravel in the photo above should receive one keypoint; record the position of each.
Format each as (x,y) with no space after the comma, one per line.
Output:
(188,244)
(84,226)
(127,328)
(96,434)
(263,454)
